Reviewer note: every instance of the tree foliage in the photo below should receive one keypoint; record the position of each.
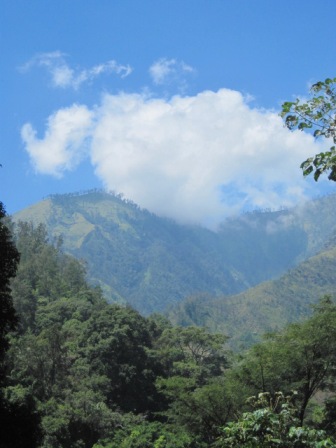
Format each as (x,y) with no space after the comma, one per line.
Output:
(19,423)
(273,424)
(302,358)
(85,373)
(318,115)
(9,258)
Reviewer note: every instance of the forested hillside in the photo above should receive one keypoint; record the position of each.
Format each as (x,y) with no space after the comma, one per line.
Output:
(84,373)
(268,306)
(151,262)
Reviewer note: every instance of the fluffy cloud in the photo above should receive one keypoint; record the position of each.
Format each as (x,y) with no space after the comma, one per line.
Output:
(195,159)
(165,71)
(63,145)
(62,75)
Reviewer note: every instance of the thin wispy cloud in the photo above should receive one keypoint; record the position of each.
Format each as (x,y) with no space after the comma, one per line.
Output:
(195,159)
(167,71)
(64,76)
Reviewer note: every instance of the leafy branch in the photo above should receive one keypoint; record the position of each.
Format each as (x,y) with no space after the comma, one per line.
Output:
(317,114)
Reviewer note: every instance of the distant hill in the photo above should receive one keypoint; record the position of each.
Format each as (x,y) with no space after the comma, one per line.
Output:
(152,262)
(266,307)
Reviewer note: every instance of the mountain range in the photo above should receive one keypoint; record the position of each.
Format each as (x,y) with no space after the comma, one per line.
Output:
(255,273)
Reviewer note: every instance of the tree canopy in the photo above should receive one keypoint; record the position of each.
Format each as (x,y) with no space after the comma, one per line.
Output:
(317,114)
(9,259)
(86,373)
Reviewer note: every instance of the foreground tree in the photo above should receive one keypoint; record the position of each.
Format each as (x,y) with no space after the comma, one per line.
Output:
(19,422)
(273,424)
(194,362)
(302,358)
(317,114)
(9,258)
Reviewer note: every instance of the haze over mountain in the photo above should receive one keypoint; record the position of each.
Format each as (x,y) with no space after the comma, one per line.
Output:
(153,263)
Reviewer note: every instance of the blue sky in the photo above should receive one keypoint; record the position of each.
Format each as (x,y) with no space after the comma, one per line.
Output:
(173,103)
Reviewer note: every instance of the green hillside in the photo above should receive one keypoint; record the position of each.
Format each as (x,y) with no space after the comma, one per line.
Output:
(266,307)
(152,262)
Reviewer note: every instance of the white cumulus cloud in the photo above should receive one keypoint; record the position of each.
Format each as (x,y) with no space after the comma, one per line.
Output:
(62,75)
(195,159)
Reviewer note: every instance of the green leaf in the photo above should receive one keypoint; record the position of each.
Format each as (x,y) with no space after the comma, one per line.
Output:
(317,174)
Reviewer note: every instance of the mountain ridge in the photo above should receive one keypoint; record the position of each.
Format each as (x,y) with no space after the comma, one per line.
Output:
(153,263)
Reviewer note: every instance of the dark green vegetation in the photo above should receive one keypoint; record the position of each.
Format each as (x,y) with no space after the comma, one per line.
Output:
(201,277)
(8,265)
(9,258)
(85,373)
